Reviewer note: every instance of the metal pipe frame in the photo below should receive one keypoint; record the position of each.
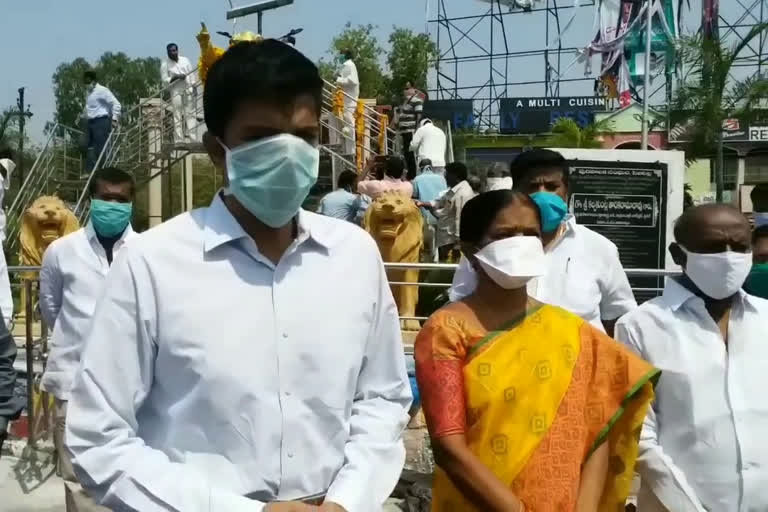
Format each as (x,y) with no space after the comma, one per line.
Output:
(454,31)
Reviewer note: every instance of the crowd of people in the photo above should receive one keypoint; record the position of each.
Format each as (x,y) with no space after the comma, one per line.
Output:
(248,356)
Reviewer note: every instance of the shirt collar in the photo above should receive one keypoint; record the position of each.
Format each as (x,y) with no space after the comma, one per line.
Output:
(90,233)
(675,295)
(221,227)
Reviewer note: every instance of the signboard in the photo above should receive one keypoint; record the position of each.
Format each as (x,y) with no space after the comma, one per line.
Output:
(458,112)
(733,131)
(625,202)
(536,115)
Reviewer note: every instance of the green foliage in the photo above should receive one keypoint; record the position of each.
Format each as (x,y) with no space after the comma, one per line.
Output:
(709,94)
(367,53)
(130,79)
(566,133)
(409,58)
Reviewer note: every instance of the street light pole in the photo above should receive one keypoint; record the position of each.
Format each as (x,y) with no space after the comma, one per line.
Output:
(258,9)
(647,77)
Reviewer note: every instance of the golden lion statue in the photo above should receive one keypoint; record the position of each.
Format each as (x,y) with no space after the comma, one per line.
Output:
(48,219)
(396,224)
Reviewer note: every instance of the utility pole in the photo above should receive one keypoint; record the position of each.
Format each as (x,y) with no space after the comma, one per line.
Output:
(22,113)
(647,77)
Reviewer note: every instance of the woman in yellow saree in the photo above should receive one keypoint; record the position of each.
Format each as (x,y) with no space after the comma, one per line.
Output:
(528,406)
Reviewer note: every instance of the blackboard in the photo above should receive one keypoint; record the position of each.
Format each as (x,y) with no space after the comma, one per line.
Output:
(626,203)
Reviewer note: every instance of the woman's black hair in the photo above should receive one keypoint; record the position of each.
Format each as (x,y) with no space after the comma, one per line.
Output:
(480,211)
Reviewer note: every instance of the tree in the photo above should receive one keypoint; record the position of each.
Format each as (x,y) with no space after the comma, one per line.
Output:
(709,95)
(408,59)
(130,79)
(367,52)
(566,133)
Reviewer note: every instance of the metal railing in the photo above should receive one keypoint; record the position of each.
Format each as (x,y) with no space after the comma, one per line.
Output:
(36,346)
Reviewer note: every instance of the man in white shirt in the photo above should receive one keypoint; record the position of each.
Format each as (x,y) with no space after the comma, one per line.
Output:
(71,280)
(447,208)
(349,81)
(176,73)
(584,273)
(7,166)
(703,445)
(246,356)
(102,110)
(429,143)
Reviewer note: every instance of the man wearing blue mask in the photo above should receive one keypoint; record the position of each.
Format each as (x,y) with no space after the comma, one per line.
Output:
(584,274)
(246,356)
(72,278)
(703,442)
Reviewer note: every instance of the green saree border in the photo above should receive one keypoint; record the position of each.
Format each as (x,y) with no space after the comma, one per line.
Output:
(501,330)
(653,377)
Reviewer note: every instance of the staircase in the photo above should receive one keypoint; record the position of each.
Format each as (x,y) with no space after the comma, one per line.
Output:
(144,145)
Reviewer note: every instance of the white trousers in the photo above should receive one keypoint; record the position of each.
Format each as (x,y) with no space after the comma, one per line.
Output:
(183,113)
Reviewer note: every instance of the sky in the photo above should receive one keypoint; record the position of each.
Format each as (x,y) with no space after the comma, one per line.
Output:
(38,35)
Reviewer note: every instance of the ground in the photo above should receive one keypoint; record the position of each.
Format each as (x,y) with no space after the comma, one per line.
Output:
(29,483)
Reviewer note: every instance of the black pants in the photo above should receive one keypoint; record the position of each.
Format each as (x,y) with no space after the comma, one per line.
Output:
(410,158)
(10,404)
(98,133)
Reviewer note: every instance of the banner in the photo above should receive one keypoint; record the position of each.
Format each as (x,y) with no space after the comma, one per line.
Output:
(457,112)
(536,115)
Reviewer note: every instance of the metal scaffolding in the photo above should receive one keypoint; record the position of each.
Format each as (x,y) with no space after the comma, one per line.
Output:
(735,20)
(477,60)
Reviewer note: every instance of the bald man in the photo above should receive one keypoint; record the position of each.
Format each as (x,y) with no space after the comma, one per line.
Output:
(703,445)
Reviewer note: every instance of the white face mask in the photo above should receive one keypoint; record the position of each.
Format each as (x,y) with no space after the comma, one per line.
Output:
(718,275)
(761,219)
(513,261)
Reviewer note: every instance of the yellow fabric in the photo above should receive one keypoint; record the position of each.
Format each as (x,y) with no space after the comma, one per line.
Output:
(515,383)
(502,435)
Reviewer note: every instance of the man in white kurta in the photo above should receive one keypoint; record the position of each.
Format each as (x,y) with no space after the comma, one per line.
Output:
(176,73)
(349,81)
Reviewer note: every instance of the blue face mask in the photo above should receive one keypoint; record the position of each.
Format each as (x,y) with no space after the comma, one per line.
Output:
(553,210)
(272,177)
(109,218)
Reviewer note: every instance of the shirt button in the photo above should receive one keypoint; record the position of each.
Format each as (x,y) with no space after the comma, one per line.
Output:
(287,393)
(290,455)
(285,335)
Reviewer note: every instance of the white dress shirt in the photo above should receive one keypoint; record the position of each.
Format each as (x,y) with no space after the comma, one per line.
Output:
(5,183)
(430,142)
(102,103)
(350,83)
(6,296)
(71,280)
(703,445)
(584,276)
(215,380)
(169,68)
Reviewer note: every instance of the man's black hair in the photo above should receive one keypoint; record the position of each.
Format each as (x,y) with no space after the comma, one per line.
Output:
(263,71)
(346,179)
(6,152)
(457,169)
(528,163)
(111,175)
(759,191)
(90,76)
(759,233)
(394,167)
(171,45)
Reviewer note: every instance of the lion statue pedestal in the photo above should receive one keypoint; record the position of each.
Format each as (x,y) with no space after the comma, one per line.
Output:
(396,224)
(47,220)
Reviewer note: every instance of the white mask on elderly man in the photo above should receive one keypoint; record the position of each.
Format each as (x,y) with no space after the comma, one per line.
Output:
(512,262)
(718,275)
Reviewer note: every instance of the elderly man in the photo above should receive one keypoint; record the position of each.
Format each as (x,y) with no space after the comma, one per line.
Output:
(703,444)
(429,143)
(584,274)
(246,356)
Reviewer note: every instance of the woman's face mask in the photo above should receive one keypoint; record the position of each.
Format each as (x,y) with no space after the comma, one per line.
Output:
(512,262)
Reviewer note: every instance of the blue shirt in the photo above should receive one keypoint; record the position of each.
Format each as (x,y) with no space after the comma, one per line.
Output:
(427,187)
(342,204)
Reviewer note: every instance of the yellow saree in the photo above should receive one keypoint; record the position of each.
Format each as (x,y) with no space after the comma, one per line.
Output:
(534,401)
